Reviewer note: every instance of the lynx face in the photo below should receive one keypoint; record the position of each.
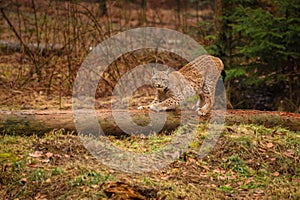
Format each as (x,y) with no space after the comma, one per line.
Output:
(160,79)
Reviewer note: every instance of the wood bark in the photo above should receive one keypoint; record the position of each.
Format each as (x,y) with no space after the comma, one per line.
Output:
(28,122)
(43,49)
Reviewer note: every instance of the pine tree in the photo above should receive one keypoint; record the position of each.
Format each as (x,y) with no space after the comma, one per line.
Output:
(259,41)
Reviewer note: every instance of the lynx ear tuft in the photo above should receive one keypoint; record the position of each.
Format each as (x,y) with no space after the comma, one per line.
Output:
(168,70)
(154,70)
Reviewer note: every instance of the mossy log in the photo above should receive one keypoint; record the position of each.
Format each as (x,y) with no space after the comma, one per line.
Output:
(28,122)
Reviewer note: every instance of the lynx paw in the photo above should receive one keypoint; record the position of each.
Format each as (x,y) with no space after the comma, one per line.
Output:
(201,112)
(157,108)
(196,106)
(141,108)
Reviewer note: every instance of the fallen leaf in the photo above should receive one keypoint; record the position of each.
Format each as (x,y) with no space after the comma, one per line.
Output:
(49,154)
(259,192)
(270,145)
(48,180)
(40,197)
(166,177)
(249,180)
(205,167)
(33,165)
(36,154)
(297,180)
(23,180)
(57,155)
(45,161)
(191,161)
(276,174)
(289,152)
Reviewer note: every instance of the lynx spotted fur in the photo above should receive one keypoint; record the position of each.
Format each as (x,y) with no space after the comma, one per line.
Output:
(198,77)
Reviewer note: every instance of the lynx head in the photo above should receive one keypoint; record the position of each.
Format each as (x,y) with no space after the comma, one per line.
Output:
(160,79)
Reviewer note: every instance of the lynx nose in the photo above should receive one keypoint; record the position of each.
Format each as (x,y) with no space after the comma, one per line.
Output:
(158,85)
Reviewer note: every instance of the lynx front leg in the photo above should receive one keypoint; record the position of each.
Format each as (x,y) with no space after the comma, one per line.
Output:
(155,101)
(168,104)
(143,107)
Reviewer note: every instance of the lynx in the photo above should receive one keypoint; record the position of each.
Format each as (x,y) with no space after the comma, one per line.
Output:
(198,77)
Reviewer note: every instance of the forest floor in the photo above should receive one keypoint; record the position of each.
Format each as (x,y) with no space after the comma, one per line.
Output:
(248,161)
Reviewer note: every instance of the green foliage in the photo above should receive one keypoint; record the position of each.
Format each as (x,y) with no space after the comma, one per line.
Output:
(259,42)
(7,157)
(237,164)
(258,33)
(235,73)
(265,35)
(39,175)
(57,171)
(91,178)
(225,188)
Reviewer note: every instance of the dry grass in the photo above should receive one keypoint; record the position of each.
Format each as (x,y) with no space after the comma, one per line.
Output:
(248,161)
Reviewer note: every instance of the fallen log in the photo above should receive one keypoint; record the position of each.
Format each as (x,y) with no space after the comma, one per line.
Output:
(43,49)
(28,122)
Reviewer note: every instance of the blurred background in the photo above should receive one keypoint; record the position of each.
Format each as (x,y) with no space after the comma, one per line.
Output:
(44,42)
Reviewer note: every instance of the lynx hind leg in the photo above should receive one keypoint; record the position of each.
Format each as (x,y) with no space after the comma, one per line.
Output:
(168,104)
(197,105)
(206,105)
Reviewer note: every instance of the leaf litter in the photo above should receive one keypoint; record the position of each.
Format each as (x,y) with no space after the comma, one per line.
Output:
(248,161)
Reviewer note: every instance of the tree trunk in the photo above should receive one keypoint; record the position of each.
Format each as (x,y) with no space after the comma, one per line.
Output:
(102,8)
(218,9)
